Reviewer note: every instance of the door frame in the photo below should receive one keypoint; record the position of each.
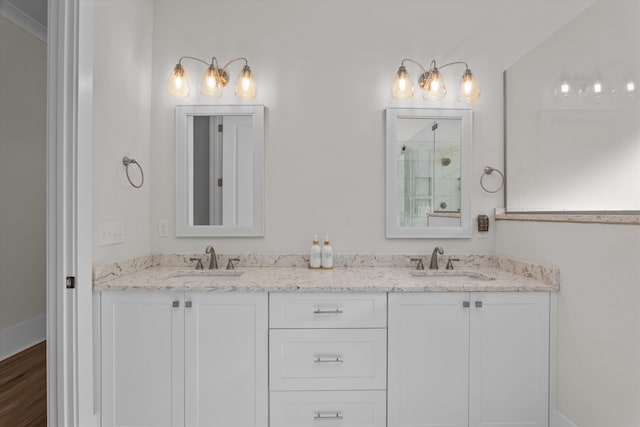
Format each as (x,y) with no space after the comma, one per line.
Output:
(70,373)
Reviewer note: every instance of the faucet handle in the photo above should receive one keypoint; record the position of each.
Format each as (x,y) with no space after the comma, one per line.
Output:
(450,263)
(230,265)
(420,265)
(199,265)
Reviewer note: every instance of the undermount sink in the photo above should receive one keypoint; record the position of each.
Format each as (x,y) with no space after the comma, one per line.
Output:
(203,276)
(449,276)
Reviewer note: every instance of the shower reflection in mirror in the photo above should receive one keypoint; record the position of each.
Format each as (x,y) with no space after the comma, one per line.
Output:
(428,171)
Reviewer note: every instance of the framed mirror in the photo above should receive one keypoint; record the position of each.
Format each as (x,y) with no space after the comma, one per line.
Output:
(428,173)
(220,170)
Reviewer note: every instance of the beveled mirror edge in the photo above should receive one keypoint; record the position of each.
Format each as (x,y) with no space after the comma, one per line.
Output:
(183,229)
(392,231)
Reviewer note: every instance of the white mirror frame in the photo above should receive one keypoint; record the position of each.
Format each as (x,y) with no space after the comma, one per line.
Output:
(184,164)
(464,230)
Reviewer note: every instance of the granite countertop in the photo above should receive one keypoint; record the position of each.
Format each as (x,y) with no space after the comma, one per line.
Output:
(496,274)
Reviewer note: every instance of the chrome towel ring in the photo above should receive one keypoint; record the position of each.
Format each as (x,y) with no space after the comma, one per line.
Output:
(126,162)
(488,171)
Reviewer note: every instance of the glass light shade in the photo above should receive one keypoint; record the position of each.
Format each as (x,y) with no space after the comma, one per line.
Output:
(468,90)
(434,88)
(564,86)
(630,86)
(630,89)
(210,84)
(402,86)
(597,88)
(177,84)
(245,85)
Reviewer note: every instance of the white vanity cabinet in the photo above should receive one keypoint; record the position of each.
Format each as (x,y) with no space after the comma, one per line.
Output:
(328,359)
(184,359)
(468,359)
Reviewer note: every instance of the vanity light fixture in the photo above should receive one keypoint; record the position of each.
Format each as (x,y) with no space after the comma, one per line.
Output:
(213,79)
(594,87)
(432,84)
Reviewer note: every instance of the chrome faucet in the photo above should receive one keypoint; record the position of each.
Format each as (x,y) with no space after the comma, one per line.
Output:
(433,265)
(213,260)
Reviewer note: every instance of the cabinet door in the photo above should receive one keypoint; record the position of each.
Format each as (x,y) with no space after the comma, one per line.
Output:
(226,359)
(509,360)
(142,359)
(428,359)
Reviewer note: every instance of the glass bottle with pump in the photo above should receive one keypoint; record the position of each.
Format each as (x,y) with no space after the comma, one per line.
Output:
(327,254)
(315,254)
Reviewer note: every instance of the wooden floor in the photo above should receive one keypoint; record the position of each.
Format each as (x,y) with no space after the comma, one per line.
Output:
(23,388)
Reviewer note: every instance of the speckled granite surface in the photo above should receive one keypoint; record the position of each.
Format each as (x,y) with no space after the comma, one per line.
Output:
(352,273)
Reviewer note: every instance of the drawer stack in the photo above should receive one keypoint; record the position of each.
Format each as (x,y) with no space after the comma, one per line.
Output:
(327,359)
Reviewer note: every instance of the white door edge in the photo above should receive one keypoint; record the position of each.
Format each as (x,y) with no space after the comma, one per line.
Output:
(69,159)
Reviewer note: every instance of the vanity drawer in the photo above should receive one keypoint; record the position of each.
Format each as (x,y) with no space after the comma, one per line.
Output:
(318,359)
(311,310)
(328,408)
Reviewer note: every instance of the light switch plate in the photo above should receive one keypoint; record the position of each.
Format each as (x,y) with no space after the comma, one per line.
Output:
(110,233)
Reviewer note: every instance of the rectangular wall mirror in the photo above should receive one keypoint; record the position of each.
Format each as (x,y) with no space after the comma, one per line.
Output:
(428,173)
(219,170)
(572,140)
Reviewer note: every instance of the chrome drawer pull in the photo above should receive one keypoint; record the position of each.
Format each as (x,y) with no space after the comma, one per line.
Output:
(319,311)
(319,416)
(328,359)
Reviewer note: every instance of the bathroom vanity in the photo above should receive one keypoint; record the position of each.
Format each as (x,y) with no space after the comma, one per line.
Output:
(355,346)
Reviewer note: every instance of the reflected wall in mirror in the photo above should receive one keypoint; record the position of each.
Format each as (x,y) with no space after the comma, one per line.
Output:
(219,171)
(428,170)
(572,140)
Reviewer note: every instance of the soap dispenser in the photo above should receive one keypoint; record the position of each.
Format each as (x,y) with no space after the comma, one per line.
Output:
(315,254)
(327,254)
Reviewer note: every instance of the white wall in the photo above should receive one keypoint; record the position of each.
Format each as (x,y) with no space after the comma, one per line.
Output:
(324,71)
(598,314)
(23,66)
(121,123)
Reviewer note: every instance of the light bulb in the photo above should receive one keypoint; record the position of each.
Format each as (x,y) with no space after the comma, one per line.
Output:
(565,88)
(597,87)
(177,84)
(210,84)
(468,91)
(630,86)
(402,86)
(245,85)
(433,86)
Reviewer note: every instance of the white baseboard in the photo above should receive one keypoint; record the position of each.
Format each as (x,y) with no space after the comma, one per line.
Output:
(560,420)
(21,336)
